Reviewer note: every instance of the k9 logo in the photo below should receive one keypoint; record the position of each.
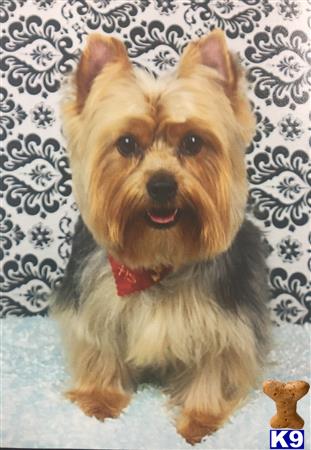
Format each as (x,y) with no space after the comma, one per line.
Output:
(290,439)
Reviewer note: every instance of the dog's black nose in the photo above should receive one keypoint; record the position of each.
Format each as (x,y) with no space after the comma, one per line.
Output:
(162,187)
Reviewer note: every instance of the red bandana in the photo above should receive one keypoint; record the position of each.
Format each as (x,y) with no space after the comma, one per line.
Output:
(129,281)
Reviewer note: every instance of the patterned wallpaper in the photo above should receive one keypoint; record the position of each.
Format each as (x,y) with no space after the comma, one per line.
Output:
(40,43)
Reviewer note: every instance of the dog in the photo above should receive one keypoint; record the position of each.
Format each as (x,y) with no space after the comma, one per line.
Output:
(167,280)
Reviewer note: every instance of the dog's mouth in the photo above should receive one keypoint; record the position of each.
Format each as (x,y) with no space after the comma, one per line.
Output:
(162,218)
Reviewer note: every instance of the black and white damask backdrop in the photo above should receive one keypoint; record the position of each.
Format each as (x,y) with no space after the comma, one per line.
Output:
(40,43)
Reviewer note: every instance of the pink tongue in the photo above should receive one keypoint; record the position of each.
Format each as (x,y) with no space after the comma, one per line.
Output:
(163,219)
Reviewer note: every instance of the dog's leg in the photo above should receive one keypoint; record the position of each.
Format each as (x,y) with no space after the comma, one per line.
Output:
(97,402)
(194,425)
(208,396)
(201,414)
(102,387)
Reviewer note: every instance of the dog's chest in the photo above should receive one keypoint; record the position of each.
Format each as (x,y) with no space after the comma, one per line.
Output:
(158,327)
(160,330)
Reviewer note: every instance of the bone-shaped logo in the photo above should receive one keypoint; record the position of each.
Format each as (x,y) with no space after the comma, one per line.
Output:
(286,396)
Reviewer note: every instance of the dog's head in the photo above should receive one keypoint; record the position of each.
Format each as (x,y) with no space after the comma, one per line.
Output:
(158,164)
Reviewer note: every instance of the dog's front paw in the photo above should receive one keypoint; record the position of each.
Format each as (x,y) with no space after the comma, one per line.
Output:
(97,403)
(194,426)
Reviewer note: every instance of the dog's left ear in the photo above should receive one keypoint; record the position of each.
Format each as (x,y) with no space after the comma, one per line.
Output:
(100,52)
(212,51)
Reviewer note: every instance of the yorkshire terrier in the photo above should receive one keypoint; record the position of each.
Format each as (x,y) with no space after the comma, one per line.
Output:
(167,278)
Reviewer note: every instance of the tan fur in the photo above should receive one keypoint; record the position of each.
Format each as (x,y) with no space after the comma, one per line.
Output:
(110,92)
(98,403)
(112,340)
(192,425)
(100,51)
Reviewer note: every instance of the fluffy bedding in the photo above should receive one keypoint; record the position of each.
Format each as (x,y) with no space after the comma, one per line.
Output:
(36,415)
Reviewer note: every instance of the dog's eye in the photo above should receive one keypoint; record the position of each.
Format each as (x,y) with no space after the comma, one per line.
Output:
(190,145)
(128,146)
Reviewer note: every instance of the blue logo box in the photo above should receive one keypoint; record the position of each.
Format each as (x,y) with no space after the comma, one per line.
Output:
(289,439)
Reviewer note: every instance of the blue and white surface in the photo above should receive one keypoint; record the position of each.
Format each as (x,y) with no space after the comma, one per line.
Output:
(36,415)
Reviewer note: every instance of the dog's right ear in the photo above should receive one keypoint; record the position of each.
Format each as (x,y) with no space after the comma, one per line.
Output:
(99,52)
(212,51)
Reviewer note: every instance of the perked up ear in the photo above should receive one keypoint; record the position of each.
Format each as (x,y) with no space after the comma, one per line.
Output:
(100,51)
(212,51)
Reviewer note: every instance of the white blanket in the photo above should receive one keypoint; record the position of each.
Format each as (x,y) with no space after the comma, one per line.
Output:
(35,414)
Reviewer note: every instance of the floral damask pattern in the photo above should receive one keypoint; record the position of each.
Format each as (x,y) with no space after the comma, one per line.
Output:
(285,77)
(290,127)
(42,116)
(289,9)
(236,18)
(37,179)
(41,43)
(10,233)
(11,114)
(289,249)
(37,55)
(41,236)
